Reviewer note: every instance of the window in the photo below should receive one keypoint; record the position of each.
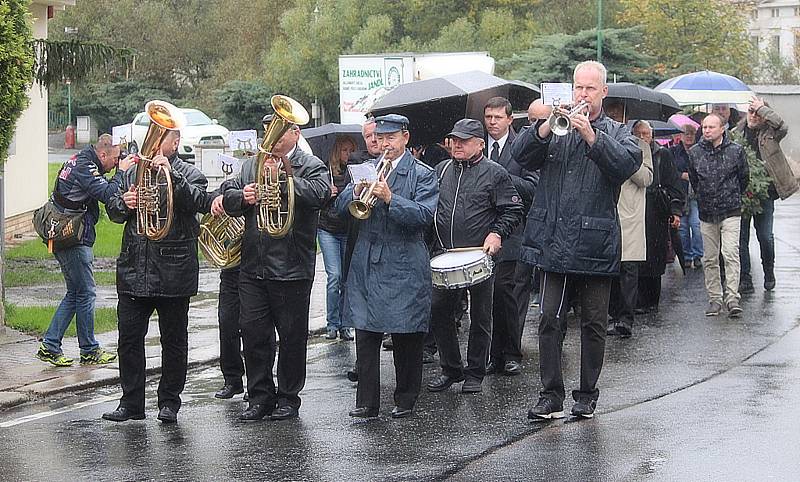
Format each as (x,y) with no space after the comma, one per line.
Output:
(775,43)
(797,11)
(776,12)
(754,14)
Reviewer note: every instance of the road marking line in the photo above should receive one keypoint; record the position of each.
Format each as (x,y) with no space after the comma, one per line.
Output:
(58,411)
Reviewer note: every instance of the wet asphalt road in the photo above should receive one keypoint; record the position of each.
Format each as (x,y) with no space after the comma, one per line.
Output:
(688,397)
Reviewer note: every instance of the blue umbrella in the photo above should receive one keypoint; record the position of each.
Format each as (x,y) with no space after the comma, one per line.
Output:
(706,87)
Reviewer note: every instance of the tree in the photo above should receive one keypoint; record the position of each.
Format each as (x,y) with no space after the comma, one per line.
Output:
(772,68)
(116,103)
(243,104)
(554,57)
(16,67)
(690,35)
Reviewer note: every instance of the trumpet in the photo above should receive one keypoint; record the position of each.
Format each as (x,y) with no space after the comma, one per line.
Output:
(561,124)
(361,208)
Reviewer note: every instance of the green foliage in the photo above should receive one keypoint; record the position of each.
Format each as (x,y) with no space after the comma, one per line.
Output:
(36,319)
(116,103)
(772,68)
(243,104)
(758,188)
(554,57)
(16,67)
(690,35)
(74,60)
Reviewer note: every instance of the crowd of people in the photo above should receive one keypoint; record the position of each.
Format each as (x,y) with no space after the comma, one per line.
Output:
(584,220)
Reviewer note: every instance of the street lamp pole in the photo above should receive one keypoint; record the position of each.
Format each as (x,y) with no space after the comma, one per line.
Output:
(599,30)
(69,102)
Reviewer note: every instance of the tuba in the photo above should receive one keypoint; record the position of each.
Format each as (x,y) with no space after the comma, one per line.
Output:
(276,215)
(154,209)
(220,239)
(561,124)
(361,208)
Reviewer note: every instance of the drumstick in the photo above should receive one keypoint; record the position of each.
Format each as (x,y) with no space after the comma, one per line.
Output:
(463,249)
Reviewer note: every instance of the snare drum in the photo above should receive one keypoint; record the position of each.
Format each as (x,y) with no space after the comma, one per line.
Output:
(461,268)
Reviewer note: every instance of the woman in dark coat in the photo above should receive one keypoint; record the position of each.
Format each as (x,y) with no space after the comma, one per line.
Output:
(665,200)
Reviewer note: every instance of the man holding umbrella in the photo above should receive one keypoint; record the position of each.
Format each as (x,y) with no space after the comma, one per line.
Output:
(573,234)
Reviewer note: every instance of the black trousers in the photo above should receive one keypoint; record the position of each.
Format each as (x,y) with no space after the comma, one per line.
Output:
(512,295)
(443,325)
(230,334)
(173,321)
(407,353)
(624,292)
(269,306)
(592,293)
(649,292)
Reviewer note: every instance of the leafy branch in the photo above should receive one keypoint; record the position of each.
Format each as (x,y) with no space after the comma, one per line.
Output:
(74,60)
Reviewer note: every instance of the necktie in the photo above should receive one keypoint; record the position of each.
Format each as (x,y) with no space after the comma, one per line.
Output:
(495,155)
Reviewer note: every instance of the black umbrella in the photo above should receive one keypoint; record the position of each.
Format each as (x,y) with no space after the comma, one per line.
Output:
(641,102)
(677,247)
(322,138)
(661,128)
(434,105)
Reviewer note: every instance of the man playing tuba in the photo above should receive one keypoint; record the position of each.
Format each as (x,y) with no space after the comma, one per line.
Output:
(157,276)
(276,274)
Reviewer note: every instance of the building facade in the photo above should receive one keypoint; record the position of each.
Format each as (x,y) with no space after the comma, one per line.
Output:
(776,24)
(25,185)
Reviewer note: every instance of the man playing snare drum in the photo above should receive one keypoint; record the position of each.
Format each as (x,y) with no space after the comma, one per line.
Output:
(478,207)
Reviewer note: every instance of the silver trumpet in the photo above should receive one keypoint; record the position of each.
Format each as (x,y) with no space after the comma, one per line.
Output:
(561,124)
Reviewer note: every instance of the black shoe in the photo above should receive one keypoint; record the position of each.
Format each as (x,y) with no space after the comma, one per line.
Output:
(624,330)
(512,368)
(713,308)
(546,409)
(443,382)
(536,300)
(584,408)
(167,415)
(398,412)
(284,413)
(364,412)
(612,329)
(472,385)
(697,263)
(352,375)
(331,334)
(734,310)
(122,414)
(228,391)
(746,286)
(346,334)
(388,344)
(254,413)
(427,357)
(769,279)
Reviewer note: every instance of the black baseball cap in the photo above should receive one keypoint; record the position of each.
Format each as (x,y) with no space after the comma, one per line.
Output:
(467,128)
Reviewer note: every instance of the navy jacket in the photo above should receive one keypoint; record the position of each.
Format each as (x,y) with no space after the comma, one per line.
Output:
(719,175)
(81,181)
(388,287)
(572,226)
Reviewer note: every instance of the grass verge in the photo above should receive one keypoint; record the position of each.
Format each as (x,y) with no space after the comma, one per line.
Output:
(39,275)
(35,319)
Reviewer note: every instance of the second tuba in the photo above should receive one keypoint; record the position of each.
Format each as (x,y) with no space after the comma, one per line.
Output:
(276,214)
(154,209)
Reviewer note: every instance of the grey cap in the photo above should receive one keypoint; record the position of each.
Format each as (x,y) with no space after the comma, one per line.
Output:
(391,123)
(467,128)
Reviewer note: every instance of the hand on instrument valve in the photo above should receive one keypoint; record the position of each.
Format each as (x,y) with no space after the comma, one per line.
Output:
(492,244)
(216,206)
(582,125)
(160,160)
(250,194)
(129,198)
(382,190)
(359,187)
(271,165)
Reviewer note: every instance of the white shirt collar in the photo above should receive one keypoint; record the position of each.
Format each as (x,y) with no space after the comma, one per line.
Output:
(501,143)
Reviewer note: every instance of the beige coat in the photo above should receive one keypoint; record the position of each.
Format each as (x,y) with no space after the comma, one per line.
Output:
(631,206)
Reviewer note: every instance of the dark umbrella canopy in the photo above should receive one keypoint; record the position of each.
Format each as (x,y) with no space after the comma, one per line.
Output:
(434,105)
(641,102)
(322,138)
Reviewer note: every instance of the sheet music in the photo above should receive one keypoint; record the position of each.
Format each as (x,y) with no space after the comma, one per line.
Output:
(552,91)
(365,172)
(121,135)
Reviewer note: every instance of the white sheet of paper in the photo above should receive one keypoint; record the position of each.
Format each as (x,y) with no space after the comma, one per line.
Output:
(552,91)
(245,140)
(363,172)
(121,134)
(228,165)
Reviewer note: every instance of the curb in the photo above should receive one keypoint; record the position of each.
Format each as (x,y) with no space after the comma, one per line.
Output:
(42,390)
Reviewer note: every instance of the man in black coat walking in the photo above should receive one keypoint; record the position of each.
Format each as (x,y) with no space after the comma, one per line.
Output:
(573,233)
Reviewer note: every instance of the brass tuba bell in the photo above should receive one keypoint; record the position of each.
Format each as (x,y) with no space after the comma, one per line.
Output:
(154,209)
(275,214)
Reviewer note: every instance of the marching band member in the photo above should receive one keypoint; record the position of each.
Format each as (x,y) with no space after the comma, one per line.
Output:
(388,284)
(275,280)
(157,276)
(478,206)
